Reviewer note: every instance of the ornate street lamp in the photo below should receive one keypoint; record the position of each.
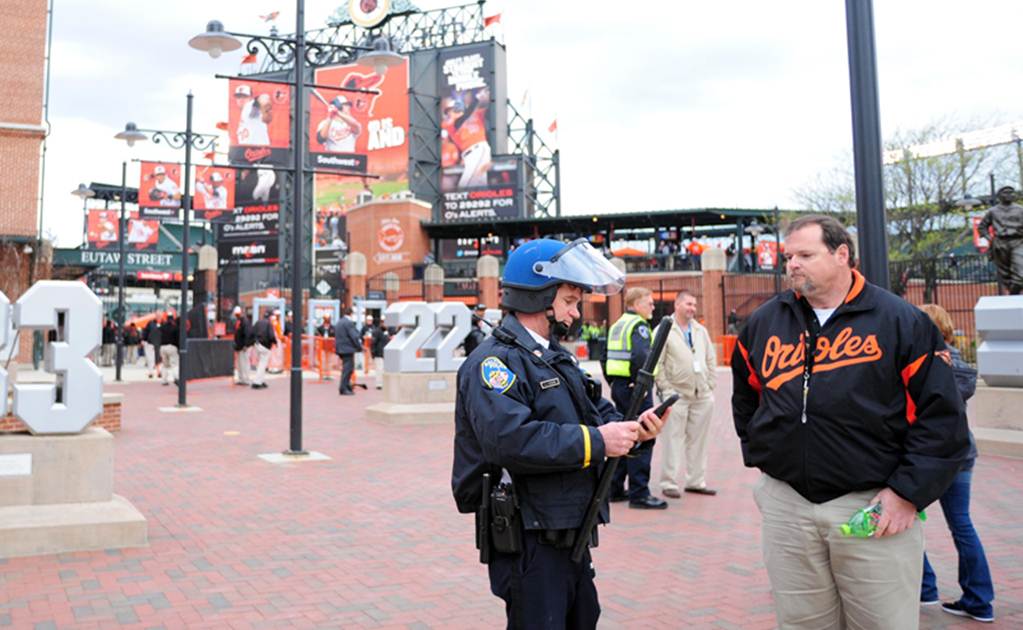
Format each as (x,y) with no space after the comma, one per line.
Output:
(300,54)
(188,140)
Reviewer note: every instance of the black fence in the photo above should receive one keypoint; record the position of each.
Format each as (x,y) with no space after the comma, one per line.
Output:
(744,293)
(953,282)
(409,282)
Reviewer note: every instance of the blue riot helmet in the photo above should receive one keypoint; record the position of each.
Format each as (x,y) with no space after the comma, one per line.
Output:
(535,269)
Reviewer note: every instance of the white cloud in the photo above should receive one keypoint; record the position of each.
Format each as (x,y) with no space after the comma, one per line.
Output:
(659,105)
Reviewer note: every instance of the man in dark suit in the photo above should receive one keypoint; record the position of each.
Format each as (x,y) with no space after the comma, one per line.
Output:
(264,339)
(346,344)
(242,342)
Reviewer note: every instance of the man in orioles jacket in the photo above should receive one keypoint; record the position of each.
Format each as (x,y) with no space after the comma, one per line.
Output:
(839,400)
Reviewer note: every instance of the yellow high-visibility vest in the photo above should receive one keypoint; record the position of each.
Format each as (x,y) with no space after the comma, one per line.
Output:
(619,345)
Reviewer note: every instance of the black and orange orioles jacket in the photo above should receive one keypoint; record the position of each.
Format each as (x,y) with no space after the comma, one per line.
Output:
(875,406)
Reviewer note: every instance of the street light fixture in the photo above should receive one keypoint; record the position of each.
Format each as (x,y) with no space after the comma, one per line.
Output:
(215,41)
(381,57)
(188,140)
(131,134)
(83,192)
(283,51)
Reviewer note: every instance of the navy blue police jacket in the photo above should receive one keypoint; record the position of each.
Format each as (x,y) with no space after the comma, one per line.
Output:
(525,409)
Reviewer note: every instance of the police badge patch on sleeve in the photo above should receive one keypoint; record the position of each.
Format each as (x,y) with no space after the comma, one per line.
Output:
(496,375)
(644,332)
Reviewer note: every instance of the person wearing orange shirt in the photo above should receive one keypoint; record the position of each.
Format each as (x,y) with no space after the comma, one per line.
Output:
(464,122)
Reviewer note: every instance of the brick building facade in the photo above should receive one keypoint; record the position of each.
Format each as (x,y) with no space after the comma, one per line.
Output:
(23,66)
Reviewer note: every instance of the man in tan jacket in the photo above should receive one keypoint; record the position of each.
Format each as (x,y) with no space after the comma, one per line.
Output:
(687,368)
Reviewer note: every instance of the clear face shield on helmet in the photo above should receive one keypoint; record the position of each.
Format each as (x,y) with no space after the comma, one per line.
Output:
(580,264)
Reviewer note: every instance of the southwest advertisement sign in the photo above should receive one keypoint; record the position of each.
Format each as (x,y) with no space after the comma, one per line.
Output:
(258,122)
(102,231)
(160,190)
(356,132)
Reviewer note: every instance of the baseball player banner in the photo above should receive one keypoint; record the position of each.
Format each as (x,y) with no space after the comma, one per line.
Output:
(258,122)
(981,241)
(214,192)
(498,195)
(160,190)
(767,254)
(469,86)
(257,187)
(102,231)
(356,132)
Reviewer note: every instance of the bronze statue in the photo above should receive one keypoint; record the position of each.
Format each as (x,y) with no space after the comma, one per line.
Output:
(1007,245)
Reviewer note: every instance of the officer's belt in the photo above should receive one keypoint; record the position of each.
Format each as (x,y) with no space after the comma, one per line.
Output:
(562,538)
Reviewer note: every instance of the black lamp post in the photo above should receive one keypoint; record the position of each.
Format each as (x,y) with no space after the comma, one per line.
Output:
(870,214)
(283,51)
(176,140)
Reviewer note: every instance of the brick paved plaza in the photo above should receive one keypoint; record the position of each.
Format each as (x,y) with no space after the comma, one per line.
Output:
(372,539)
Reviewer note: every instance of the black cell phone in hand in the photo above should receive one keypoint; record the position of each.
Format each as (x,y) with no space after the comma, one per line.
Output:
(662,408)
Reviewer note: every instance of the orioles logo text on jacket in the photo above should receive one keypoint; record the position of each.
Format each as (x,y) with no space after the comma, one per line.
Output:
(783,362)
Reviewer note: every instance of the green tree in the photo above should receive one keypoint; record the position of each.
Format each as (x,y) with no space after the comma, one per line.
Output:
(922,194)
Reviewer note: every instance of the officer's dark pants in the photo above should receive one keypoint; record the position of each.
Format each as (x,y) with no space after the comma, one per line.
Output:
(543,588)
(636,467)
(347,368)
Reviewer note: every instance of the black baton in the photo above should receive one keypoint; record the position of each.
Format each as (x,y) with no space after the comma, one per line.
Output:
(642,387)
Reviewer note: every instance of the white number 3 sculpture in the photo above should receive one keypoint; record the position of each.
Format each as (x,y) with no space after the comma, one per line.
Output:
(69,405)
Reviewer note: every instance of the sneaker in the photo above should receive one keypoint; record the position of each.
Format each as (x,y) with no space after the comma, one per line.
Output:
(955,608)
(929,602)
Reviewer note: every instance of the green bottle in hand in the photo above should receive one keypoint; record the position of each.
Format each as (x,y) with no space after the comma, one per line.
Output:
(863,523)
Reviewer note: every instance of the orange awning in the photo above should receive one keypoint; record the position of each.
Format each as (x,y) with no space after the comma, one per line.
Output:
(628,251)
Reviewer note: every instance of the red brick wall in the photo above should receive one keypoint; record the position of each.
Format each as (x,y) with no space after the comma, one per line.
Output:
(22,66)
(109,420)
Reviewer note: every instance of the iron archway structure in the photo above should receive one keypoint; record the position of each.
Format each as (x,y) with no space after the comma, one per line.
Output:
(419,35)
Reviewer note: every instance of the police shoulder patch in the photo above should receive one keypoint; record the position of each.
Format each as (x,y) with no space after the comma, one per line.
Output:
(644,331)
(496,375)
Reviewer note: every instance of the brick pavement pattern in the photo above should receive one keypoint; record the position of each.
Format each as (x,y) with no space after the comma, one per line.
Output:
(371,539)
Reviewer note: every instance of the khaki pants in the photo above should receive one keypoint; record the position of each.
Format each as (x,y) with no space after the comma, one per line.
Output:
(150,352)
(686,431)
(378,372)
(244,369)
(169,357)
(821,579)
(263,359)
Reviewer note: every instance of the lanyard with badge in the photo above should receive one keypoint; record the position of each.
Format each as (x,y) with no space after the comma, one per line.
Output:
(688,334)
(810,335)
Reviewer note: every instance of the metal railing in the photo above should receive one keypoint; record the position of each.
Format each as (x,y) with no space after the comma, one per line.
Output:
(953,282)
(410,282)
(744,293)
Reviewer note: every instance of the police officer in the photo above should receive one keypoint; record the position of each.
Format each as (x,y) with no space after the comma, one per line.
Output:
(530,418)
(628,344)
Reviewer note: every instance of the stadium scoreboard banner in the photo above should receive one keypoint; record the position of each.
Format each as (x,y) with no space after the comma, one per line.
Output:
(498,196)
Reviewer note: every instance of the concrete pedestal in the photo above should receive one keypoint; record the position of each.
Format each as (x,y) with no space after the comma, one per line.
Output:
(56,495)
(996,420)
(416,398)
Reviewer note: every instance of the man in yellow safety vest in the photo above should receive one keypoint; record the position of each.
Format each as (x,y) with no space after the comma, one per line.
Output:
(628,344)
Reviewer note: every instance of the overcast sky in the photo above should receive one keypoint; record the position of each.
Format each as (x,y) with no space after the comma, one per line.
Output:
(689,104)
